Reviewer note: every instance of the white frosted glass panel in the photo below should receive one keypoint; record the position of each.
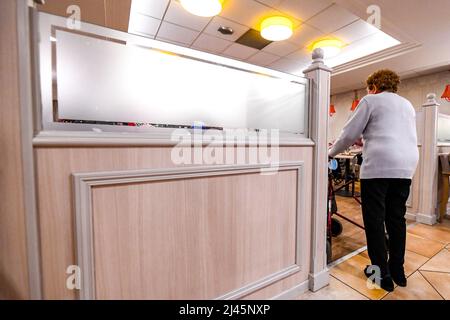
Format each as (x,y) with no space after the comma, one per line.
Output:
(444,128)
(102,80)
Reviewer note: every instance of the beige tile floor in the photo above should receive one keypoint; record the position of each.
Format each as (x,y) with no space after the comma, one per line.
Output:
(427,266)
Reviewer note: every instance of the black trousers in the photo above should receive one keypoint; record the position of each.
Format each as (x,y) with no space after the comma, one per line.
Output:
(384,204)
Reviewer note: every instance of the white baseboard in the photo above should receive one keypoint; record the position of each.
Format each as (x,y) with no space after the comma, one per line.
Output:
(293,292)
(319,280)
(411,216)
(426,219)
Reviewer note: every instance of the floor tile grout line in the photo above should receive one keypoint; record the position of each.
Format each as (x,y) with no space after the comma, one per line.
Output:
(428,240)
(348,286)
(423,237)
(431,285)
(434,271)
(351,287)
(418,269)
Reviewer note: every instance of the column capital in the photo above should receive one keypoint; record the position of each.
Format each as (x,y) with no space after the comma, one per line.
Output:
(431,101)
(317,64)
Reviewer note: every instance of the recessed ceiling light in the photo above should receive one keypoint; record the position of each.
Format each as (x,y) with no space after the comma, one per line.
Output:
(225,30)
(203,8)
(276,28)
(331,47)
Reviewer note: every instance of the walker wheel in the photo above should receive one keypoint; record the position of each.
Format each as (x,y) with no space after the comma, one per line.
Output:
(336,227)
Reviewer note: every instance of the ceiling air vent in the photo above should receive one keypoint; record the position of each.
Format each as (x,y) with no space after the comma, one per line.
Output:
(252,38)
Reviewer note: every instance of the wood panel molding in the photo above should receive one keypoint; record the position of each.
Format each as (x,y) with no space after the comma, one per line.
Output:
(85,182)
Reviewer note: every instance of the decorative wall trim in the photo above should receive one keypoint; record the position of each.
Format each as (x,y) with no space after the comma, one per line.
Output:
(426,219)
(319,280)
(261,283)
(377,57)
(84,182)
(443,144)
(26,125)
(293,292)
(411,216)
(87,138)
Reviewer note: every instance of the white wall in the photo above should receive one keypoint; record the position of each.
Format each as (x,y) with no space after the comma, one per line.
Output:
(414,89)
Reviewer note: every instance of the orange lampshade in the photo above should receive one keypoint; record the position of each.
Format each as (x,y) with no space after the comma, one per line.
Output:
(332,110)
(355,104)
(446,94)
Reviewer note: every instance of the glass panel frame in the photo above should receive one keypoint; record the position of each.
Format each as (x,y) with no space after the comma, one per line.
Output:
(46,27)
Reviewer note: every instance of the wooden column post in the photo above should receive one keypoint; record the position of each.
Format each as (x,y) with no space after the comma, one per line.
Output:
(319,75)
(429,161)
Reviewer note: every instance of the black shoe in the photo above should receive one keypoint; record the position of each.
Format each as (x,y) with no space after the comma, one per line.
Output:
(398,274)
(399,278)
(385,283)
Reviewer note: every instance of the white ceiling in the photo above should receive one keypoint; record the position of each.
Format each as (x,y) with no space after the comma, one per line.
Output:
(167,20)
(422,27)
(426,23)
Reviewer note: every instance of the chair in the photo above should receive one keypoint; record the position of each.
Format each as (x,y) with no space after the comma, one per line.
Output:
(445,175)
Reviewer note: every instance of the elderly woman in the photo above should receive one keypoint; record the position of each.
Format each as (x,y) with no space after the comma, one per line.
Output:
(387,124)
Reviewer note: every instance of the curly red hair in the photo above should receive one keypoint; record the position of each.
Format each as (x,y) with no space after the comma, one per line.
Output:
(383,80)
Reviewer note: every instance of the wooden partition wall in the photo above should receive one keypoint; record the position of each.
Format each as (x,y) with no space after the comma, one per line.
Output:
(190,233)
(140,227)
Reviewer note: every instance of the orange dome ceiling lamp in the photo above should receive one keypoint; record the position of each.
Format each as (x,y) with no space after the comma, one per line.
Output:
(446,94)
(203,8)
(276,28)
(330,47)
(355,102)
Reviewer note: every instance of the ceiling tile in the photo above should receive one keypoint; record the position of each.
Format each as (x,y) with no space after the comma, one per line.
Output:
(355,31)
(305,34)
(153,8)
(173,42)
(143,25)
(250,13)
(286,65)
(247,13)
(218,21)
(272,3)
(209,43)
(303,9)
(332,19)
(301,56)
(178,15)
(263,58)
(176,33)
(281,48)
(239,51)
